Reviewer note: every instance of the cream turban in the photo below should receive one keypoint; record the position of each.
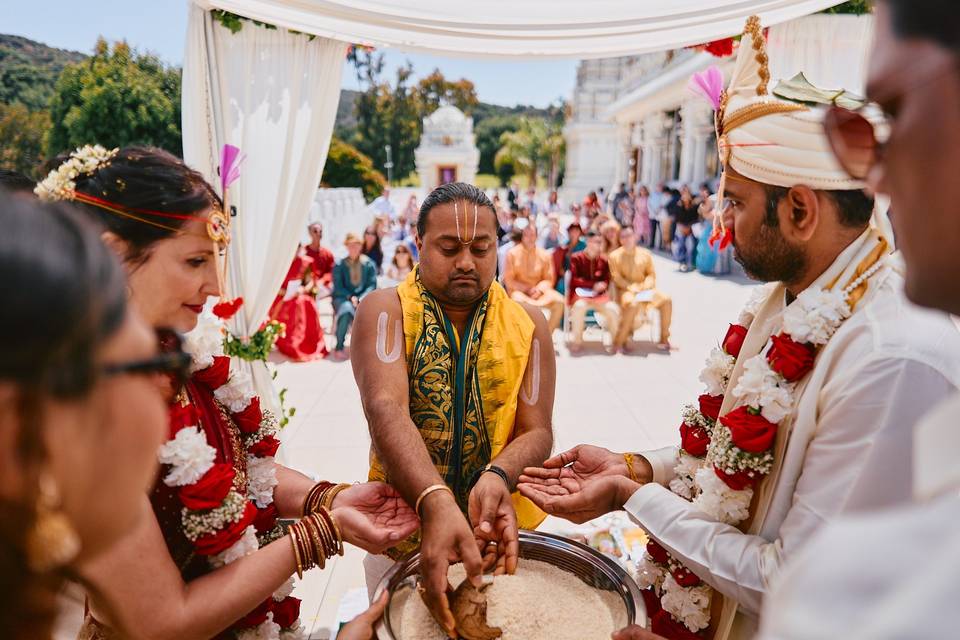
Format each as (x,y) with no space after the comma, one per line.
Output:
(770,140)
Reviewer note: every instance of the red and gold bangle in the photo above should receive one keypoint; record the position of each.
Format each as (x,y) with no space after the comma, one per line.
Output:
(330,495)
(314,496)
(333,529)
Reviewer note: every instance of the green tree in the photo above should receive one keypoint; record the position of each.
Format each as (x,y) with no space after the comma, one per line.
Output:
(386,114)
(435,91)
(347,167)
(115,98)
(488,132)
(535,148)
(21,138)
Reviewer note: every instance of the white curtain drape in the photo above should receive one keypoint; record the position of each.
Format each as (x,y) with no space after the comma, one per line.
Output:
(506,28)
(831,51)
(273,94)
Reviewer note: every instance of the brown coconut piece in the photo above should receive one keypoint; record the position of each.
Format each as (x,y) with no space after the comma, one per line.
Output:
(469,607)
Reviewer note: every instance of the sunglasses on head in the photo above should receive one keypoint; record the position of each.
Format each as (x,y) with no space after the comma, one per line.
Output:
(854,141)
(171,360)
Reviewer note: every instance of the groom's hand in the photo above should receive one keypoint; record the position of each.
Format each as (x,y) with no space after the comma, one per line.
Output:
(584,462)
(583,502)
(494,523)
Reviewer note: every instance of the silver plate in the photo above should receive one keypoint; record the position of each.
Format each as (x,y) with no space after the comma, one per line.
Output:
(591,566)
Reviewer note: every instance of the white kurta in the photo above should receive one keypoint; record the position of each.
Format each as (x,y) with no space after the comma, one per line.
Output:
(846,446)
(890,575)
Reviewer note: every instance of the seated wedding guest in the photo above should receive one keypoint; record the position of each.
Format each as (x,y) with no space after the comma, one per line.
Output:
(401,265)
(381,206)
(81,414)
(353,278)
(513,240)
(323,260)
(209,557)
(528,278)
(589,284)
(561,255)
(610,232)
(685,213)
(411,211)
(296,307)
(810,400)
(552,237)
(634,283)
(592,205)
(553,204)
(372,248)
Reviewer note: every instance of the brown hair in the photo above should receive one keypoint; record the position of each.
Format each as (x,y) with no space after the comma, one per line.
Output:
(64,295)
(144,178)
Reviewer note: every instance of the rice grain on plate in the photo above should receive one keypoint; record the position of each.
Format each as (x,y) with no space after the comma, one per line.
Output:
(539,602)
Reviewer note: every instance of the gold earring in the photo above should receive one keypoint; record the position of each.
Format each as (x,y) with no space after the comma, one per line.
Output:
(52,542)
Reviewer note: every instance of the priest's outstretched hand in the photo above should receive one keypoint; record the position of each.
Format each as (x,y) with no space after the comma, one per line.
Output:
(373,516)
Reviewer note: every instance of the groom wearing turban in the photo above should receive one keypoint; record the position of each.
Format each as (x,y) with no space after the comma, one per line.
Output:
(809,404)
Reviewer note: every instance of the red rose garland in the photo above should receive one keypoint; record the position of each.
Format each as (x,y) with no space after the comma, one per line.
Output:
(223,520)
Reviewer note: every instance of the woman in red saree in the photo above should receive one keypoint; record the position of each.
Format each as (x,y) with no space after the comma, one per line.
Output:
(296,307)
(209,558)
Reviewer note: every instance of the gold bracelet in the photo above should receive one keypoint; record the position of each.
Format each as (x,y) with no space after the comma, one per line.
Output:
(628,458)
(326,533)
(337,532)
(428,491)
(314,496)
(296,551)
(319,551)
(303,539)
(326,501)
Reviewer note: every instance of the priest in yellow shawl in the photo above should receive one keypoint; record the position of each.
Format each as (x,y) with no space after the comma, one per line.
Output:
(457,384)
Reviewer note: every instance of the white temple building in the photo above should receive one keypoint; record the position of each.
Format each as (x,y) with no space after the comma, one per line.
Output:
(632,119)
(448,150)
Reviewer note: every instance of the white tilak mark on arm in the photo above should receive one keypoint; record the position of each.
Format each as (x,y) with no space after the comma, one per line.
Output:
(394,354)
(530,391)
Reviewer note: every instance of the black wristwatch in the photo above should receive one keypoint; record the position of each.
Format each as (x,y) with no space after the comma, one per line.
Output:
(492,468)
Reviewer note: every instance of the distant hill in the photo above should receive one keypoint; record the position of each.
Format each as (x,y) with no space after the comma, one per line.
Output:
(29,70)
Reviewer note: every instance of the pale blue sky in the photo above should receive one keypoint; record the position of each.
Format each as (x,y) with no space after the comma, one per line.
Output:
(159,26)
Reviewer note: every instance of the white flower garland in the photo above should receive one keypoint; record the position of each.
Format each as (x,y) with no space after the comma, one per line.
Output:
(188,455)
(60,183)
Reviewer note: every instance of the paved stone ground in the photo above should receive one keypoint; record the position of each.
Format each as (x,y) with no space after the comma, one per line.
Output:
(621,402)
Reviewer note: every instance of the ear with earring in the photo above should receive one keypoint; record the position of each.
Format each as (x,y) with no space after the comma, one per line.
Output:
(52,542)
